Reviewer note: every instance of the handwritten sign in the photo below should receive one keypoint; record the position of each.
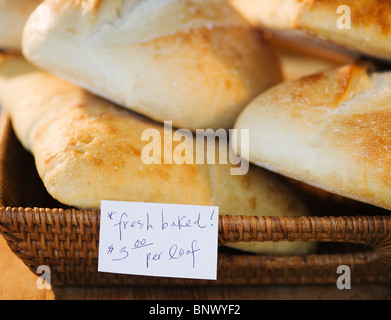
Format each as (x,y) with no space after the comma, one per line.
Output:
(164,240)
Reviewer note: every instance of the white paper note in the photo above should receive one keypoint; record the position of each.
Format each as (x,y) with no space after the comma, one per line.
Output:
(164,240)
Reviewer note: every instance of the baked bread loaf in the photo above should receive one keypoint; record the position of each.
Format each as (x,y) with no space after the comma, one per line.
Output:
(87,149)
(362,26)
(330,130)
(196,63)
(13,16)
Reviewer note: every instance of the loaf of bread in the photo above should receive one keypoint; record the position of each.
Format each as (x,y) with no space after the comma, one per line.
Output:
(87,149)
(13,16)
(362,26)
(196,63)
(330,130)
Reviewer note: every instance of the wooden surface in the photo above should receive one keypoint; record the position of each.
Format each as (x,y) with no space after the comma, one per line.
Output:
(17,282)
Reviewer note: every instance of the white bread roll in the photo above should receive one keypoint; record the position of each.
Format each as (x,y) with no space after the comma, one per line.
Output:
(196,63)
(326,23)
(330,130)
(88,149)
(13,16)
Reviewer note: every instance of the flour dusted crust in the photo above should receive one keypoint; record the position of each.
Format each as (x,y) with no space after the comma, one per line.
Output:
(13,16)
(316,20)
(87,149)
(330,130)
(196,63)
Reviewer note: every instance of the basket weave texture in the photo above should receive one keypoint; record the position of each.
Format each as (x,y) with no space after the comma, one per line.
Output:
(41,231)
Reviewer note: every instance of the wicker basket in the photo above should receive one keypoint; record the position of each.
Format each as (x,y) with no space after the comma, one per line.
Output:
(67,239)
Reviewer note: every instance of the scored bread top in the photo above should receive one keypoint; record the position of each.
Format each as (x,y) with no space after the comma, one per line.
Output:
(330,130)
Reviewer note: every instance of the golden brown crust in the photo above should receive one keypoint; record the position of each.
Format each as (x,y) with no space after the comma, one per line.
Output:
(366,137)
(317,21)
(364,13)
(330,130)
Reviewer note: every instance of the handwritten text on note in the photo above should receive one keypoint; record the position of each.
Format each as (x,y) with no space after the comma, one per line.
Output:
(165,240)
